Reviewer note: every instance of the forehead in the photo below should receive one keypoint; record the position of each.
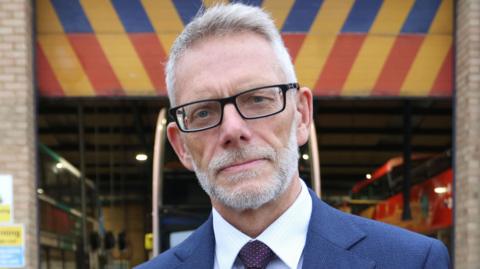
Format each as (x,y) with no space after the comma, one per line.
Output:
(220,66)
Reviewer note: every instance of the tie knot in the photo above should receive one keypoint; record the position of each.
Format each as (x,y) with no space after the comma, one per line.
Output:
(255,255)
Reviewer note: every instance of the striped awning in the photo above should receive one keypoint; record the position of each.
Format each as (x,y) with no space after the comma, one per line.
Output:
(339,47)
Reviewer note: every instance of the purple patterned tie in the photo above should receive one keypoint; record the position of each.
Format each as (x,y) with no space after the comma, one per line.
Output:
(255,255)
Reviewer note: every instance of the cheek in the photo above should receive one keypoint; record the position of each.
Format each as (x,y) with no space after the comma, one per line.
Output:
(200,151)
(280,130)
(275,134)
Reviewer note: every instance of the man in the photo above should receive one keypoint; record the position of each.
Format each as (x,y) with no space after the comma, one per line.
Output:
(239,119)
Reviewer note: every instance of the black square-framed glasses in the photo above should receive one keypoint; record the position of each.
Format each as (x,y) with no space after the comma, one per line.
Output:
(250,104)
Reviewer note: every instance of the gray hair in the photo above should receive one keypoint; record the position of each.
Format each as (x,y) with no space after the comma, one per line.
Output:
(221,20)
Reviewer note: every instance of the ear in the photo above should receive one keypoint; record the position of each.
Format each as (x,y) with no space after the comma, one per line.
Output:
(304,114)
(175,137)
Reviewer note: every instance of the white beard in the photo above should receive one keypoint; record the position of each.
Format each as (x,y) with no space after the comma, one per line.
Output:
(285,162)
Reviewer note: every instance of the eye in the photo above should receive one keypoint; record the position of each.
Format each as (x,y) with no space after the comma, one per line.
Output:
(261,99)
(258,99)
(202,114)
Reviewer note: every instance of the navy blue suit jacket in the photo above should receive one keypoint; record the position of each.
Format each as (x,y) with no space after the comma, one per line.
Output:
(334,240)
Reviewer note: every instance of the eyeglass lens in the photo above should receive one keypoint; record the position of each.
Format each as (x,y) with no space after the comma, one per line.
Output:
(251,104)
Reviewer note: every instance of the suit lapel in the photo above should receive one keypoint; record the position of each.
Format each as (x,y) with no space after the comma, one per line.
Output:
(198,250)
(329,239)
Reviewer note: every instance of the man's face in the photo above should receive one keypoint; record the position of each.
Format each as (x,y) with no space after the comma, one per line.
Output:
(240,163)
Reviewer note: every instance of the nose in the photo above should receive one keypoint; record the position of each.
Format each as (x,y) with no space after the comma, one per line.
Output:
(234,130)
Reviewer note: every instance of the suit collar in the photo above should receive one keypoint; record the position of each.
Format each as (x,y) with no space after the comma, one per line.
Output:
(199,249)
(331,235)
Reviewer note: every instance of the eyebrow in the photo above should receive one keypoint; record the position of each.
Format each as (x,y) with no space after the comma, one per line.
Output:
(237,91)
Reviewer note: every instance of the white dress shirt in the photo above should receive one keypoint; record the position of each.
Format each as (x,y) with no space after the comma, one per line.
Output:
(286,237)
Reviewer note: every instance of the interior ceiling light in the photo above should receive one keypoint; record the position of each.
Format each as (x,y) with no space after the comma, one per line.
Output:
(440,190)
(59,165)
(305,156)
(368,176)
(141,157)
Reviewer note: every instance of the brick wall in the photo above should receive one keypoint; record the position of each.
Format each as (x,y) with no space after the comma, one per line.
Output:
(467,140)
(17,117)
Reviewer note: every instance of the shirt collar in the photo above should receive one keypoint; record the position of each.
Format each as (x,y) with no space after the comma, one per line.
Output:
(291,227)
(228,240)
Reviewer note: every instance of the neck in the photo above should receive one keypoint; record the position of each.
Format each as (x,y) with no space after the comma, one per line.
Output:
(253,222)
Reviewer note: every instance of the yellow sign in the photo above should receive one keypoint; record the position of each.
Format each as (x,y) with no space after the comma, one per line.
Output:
(6,199)
(149,241)
(11,236)
(12,246)
(5,213)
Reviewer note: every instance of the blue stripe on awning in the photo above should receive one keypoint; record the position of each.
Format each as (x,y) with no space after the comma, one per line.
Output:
(362,15)
(421,16)
(133,16)
(302,15)
(187,9)
(72,17)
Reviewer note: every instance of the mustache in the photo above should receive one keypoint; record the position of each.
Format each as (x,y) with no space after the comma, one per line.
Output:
(246,153)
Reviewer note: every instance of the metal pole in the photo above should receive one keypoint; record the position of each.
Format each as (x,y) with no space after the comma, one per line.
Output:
(81,147)
(315,161)
(112,175)
(157,184)
(407,159)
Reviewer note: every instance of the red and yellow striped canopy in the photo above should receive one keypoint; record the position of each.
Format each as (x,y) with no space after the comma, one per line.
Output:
(339,47)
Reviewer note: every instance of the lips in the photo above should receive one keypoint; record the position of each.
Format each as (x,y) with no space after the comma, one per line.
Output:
(240,166)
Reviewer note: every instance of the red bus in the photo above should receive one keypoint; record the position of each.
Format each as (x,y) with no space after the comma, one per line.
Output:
(380,197)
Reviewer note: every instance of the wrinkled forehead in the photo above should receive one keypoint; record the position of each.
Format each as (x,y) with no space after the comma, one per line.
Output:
(219,66)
